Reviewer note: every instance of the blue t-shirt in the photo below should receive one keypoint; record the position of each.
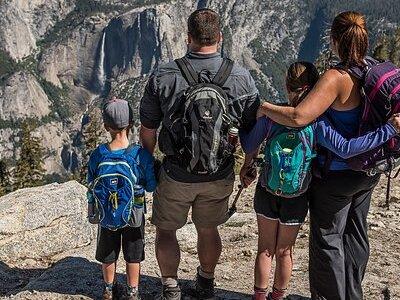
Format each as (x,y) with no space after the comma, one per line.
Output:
(326,135)
(146,163)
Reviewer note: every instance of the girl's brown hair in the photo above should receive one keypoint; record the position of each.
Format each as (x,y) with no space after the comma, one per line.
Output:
(350,35)
(301,78)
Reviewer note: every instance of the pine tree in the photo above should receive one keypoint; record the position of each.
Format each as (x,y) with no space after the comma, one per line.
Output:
(382,49)
(324,61)
(91,138)
(5,179)
(29,170)
(395,54)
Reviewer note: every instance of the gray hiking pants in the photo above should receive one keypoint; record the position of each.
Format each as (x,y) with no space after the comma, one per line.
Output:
(339,247)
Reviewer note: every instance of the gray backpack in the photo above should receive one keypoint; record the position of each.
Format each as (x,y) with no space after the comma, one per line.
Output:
(199,122)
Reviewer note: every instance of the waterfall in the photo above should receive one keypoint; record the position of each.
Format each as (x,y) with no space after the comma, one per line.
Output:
(101,74)
(70,160)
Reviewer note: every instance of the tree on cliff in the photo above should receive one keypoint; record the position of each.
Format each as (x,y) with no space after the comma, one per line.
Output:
(5,179)
(388,48)
(29,170)
(91,133)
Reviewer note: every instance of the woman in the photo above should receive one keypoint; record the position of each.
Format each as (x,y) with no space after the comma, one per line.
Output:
(339,202)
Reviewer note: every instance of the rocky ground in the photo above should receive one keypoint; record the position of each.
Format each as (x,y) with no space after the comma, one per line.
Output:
(48,257)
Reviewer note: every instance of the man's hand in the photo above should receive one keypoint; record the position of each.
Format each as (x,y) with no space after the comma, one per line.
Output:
(260,112)
(248,174)
(395,121)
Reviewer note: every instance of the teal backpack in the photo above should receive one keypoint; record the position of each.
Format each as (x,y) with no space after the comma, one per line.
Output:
(287,157)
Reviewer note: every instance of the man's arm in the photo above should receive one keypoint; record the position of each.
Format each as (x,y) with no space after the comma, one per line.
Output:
(148,138)
(251,106)
(329,138)
(150,115)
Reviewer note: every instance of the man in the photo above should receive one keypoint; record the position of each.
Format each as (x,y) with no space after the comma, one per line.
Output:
(180,187)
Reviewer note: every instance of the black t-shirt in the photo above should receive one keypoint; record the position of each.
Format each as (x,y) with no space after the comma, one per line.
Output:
(166,84)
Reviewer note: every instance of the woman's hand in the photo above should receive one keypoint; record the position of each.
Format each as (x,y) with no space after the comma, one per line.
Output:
(395,121)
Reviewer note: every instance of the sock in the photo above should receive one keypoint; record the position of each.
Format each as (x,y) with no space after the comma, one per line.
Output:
(277,294)
(169,281)
(109,286)
(205,275)
(259,294)
(132,290)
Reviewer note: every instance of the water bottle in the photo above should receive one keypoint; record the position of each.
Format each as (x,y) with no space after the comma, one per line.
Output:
(139,196)
(233,136)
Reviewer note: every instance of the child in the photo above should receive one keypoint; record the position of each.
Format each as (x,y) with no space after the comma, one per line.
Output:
(279,218)
(118,120)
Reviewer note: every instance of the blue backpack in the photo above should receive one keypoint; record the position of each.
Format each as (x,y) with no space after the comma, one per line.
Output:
(287,157)
(118,195)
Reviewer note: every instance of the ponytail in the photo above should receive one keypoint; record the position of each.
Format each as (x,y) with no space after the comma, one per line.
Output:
(350,35)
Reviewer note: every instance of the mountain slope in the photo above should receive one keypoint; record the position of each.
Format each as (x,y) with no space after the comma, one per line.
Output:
(68,53)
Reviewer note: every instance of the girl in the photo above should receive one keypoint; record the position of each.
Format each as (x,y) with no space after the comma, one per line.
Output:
(279,218)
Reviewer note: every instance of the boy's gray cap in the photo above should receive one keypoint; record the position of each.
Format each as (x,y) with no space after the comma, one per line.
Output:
(117,114)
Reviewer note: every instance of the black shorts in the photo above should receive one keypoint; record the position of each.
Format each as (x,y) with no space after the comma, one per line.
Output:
(109,244)
(288,211)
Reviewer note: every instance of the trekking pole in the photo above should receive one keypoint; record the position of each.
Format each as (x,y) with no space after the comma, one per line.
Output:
(233,208)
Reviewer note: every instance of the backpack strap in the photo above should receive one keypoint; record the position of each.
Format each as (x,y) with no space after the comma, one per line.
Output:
(224,72)
(187,70)
(133,152)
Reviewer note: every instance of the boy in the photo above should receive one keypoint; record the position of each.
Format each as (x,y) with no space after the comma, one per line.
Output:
(118,120)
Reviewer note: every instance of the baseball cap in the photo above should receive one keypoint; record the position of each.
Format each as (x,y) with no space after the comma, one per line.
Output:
(117,113)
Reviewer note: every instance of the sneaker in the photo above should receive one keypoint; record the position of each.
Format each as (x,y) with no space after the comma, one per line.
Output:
(107,293)
(170,293)
(204,288)
(132,294)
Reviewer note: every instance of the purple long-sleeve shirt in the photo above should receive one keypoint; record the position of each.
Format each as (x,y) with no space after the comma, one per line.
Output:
(326,136)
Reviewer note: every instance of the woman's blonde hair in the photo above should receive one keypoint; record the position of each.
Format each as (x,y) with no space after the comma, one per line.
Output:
(350,35)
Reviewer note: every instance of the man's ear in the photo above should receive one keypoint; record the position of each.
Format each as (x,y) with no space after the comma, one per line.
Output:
(221,38)
(189,39)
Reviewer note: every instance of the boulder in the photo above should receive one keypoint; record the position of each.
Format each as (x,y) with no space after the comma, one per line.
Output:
(37,223)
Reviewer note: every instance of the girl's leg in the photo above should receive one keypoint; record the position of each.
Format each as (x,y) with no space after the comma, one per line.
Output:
(267,231)
(287,235)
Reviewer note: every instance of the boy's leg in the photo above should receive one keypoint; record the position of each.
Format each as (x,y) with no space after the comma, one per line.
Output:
(109,273)
(133,249)
(107,252)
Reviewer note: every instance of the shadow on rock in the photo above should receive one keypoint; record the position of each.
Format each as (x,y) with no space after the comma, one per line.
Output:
(77,276)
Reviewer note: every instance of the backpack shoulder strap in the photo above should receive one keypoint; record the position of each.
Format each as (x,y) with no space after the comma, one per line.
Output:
(224,72)
(187,70)
(132,151)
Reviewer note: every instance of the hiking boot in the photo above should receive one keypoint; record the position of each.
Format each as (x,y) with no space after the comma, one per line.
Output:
(204,288)
(132,294)
(170,293)
(108,293)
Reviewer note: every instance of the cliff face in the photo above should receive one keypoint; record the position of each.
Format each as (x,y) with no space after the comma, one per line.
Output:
(59,56)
